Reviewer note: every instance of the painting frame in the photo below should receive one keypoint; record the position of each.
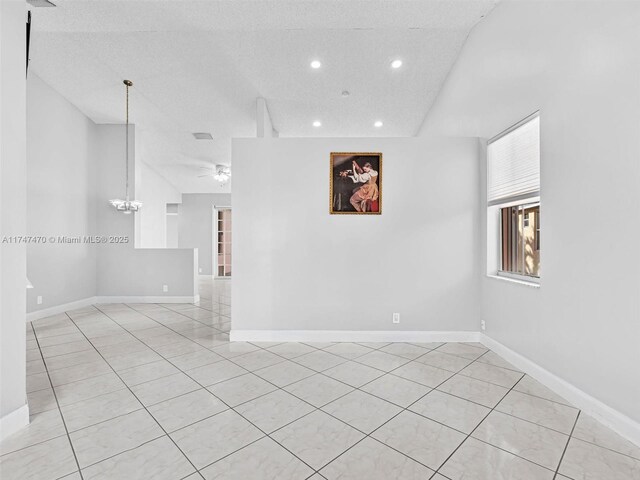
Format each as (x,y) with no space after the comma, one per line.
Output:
(341,185)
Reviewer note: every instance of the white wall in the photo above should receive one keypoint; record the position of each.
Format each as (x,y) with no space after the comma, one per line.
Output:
(296,267)
(123,270)
(74,168)
(14,413)
(195,225)
(154,191)
(61,199)
(579,63)
(172,229)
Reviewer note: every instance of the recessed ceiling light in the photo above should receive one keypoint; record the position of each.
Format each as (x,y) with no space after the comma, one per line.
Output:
(378,124)
(316,64)
(317,123)
(345,93)
(396,64)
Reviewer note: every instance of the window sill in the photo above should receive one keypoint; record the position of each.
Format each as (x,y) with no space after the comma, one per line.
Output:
(526,283)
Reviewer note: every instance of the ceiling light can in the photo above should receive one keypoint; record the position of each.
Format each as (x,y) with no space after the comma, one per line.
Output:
(316,64)
(396,63)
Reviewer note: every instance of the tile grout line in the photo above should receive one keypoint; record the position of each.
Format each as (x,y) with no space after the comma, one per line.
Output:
(321,372)
(64,423)
(566,446)
(390,419)
(466,399)
(141,403)
(230,408)
(283,388)
(315,408)
(356,388)
(277,388)
(179,313)
(348,359)
(476,427)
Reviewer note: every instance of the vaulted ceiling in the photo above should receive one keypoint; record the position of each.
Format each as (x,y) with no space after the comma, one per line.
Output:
(199,66)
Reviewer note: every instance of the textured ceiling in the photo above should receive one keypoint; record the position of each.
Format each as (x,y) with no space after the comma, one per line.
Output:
(198,66)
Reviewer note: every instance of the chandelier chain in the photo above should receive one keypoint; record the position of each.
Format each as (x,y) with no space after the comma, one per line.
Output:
(127,206)
(127,145)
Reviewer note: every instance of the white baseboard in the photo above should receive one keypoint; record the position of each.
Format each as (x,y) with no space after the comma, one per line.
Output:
(618,422)
(14,421)
(65,307)
(350,336)
(86,302)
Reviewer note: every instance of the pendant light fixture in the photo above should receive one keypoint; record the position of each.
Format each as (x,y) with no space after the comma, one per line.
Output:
(126,206)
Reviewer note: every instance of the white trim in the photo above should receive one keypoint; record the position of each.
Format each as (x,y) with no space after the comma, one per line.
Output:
(65,307)
(14,421)
(350,336)
(615,420)
(525,199)
(86,302)
(518,281)
(518,276)
(513,127)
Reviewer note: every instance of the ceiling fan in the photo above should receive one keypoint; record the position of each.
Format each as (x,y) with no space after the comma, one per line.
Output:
(222,173)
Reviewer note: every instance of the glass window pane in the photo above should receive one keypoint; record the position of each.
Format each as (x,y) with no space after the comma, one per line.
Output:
(530,240)
(520,237)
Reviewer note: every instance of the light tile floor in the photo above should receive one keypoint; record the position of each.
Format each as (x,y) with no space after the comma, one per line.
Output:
(158,392)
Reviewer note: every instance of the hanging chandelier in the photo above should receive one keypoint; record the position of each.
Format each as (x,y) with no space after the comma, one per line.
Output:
(126,206)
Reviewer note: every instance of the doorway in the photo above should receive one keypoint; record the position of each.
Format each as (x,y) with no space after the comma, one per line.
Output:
(222,244)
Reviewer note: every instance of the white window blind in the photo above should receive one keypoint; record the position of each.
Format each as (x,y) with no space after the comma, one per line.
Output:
(513,162)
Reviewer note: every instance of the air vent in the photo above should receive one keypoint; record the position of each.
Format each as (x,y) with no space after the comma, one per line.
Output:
(202,136)
(40,3)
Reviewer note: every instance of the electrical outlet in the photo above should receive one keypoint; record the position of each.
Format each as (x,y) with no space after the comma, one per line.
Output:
(39,300)
(396,318)
(165,288)
(483,325)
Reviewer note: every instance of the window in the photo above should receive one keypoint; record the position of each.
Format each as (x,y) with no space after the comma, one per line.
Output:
(520,235)
(224,242)
(513,200)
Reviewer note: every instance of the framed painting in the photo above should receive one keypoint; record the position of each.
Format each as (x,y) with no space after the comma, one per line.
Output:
(356,183)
